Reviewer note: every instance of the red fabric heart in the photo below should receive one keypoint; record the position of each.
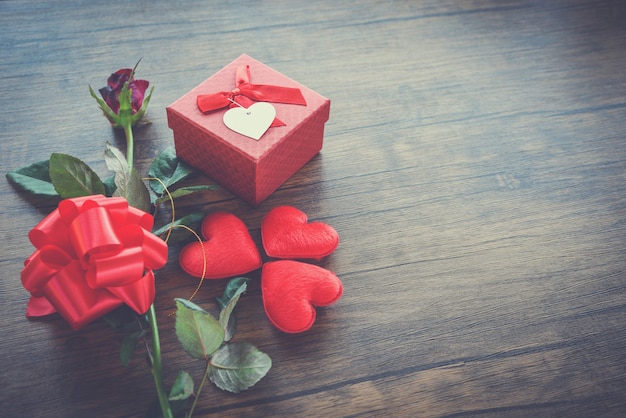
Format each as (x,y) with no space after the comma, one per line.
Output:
(228,246)
(291,291)
(286,234)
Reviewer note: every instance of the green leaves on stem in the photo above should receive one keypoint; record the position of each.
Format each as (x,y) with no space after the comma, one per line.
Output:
(230,366)
(34,179)
(238,366)
(73,178)
(170,171)
(199,333)
(127,180)
(64,176)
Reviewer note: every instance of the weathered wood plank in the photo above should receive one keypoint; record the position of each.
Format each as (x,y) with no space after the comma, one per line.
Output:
(474,165)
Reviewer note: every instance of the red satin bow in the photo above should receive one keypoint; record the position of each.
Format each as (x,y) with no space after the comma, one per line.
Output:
(93,254)
(246,93)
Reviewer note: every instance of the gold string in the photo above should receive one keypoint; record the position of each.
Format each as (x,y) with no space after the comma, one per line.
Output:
(169,233)
(169,195)
(204,260)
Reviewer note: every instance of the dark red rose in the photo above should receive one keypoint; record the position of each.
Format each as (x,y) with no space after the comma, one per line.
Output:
(110,93)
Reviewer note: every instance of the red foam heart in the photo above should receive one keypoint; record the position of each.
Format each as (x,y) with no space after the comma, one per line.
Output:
(228,247)
(286,234)
(291,291)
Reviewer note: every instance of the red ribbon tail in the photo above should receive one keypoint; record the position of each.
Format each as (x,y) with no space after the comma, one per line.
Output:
(138,295)
(274,94)
(210,102)
(39,306)
(277,122)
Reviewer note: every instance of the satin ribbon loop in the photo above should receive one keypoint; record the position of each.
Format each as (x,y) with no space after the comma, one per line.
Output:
(93,254)
(117,208)
(139,217)
(121,269)
(92,235)
(42,266)
(242,75)
(70,208)
(50,231)
(155,253)
(74,300)
(245,93)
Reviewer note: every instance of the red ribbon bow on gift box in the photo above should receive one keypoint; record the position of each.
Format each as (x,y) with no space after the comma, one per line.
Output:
(245,94)
(93,254)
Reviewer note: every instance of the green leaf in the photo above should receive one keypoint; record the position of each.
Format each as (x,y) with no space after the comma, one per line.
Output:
(106,110)
(238,366)
(199,333)
(169,169)
(184,191)
(124,319)
(34,178)
(179,396)
(232,288)
(226,320)
(127,181)
(116,162)
(179,234)
(125,112)
(73,178)
(183,387)
(137,193)
(109,185)
(129,343)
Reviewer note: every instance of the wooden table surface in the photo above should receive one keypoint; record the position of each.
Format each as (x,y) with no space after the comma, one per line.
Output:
(474,165)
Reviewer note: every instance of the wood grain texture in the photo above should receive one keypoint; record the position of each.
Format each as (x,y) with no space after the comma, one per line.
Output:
(474,165)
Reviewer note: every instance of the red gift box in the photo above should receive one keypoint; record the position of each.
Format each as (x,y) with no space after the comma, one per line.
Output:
(252,169)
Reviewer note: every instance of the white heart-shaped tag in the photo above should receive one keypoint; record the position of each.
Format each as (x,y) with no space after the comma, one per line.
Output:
(251,122)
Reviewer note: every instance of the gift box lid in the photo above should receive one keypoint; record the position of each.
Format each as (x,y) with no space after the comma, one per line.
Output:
(224,80)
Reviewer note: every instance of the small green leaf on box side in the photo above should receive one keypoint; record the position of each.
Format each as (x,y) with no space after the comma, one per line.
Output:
(169,169)
(185,191)
(178,234)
